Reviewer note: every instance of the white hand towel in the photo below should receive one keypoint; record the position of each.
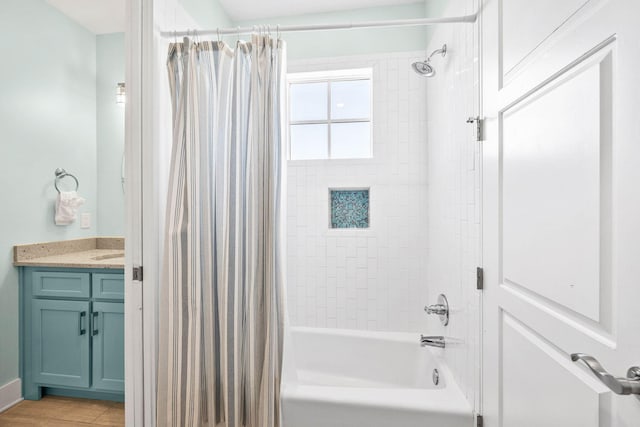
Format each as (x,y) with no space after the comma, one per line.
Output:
(67,205)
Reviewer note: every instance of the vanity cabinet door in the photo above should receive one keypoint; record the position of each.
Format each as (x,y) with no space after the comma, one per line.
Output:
(107,330)
(60,342)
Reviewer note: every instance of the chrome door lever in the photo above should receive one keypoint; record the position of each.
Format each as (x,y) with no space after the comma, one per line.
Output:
(629,385)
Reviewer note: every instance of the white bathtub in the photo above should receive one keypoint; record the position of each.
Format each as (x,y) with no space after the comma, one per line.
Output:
(344,378)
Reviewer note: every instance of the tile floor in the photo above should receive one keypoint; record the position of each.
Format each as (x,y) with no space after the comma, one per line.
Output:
(54,411)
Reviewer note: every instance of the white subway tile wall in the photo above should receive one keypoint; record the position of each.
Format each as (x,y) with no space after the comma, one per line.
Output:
(453,203)
(375,278)
(424,239)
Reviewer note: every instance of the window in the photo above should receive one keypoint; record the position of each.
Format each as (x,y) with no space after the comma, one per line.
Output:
(330,115)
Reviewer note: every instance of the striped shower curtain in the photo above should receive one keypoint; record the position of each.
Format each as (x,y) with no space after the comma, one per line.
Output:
(221,308)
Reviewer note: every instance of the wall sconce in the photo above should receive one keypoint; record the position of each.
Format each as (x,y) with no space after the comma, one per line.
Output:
(120,94)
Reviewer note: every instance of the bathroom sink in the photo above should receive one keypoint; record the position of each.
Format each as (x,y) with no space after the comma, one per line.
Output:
(108,256)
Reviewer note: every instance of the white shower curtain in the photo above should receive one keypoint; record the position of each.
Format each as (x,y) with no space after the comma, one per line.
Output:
(221,308)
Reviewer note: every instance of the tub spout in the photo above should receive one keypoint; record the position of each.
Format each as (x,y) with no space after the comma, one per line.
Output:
(432,341)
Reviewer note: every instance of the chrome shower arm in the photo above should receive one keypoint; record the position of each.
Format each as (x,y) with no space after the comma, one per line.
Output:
(442,50)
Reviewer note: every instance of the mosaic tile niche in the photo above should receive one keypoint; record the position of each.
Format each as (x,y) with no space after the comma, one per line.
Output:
(349,208)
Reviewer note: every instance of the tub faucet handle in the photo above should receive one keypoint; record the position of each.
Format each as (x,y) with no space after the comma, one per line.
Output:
(438,309)
(441,309)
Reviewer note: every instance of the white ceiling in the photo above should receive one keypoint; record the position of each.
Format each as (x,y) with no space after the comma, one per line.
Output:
(97,16)
(241,10)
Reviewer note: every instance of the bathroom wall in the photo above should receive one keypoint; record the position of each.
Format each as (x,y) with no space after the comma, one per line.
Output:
(110,134)
(207,13)
(434,9)
(351,42)
(372,278)
(453,203)
(48,120)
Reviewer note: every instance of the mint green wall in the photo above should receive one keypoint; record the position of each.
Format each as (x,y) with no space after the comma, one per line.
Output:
(110,134)
(433,9)
(207,13)
(48,120)
(352,42)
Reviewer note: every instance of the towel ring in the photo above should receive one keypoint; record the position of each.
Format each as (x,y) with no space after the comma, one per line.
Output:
(61,173)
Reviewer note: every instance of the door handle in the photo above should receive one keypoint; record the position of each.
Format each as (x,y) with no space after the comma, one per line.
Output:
(94,323)
(629,385)
(81,328)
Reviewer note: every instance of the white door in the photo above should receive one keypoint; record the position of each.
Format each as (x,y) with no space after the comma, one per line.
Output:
(561,210)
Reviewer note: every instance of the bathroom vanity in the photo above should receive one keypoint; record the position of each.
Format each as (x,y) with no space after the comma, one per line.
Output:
(72,318)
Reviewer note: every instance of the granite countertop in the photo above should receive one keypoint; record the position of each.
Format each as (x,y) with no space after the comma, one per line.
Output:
(94,252)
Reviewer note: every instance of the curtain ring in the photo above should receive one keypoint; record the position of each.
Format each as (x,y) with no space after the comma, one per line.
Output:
(218,32)
(278,32)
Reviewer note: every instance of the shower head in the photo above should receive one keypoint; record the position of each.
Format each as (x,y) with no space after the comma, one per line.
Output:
(424,68)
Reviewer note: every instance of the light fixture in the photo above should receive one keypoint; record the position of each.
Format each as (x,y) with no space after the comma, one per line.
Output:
(120,94)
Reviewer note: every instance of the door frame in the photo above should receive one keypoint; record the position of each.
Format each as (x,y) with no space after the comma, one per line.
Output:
(135,360)
(148,137)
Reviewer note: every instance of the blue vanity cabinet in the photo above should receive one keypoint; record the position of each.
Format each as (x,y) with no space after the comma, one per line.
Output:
(72,332)
(60,351)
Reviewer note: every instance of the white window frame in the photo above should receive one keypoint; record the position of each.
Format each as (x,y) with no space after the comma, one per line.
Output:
(330,77)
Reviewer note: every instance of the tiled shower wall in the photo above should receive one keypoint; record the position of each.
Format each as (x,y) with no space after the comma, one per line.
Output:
(371,278)
(454,195)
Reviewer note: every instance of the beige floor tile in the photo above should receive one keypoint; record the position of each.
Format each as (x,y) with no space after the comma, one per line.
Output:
(85,411)
(113,417)
(53,411)
(61,423)
(38,410)
(7,420)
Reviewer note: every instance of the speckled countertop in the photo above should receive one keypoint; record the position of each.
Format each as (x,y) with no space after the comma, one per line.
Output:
(95,252)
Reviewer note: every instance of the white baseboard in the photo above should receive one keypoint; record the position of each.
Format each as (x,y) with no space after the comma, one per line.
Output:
(10,394)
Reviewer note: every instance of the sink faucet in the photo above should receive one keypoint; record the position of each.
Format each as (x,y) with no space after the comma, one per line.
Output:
(432,341)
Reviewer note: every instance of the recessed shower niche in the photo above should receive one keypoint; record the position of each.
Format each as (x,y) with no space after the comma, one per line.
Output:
(349,208)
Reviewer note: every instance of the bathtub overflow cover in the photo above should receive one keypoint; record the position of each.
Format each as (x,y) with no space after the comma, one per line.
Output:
(436,377)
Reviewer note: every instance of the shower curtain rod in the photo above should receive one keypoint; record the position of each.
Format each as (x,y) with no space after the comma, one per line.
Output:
(324,27)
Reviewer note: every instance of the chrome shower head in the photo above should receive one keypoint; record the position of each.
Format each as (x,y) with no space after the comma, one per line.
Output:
(424,68)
